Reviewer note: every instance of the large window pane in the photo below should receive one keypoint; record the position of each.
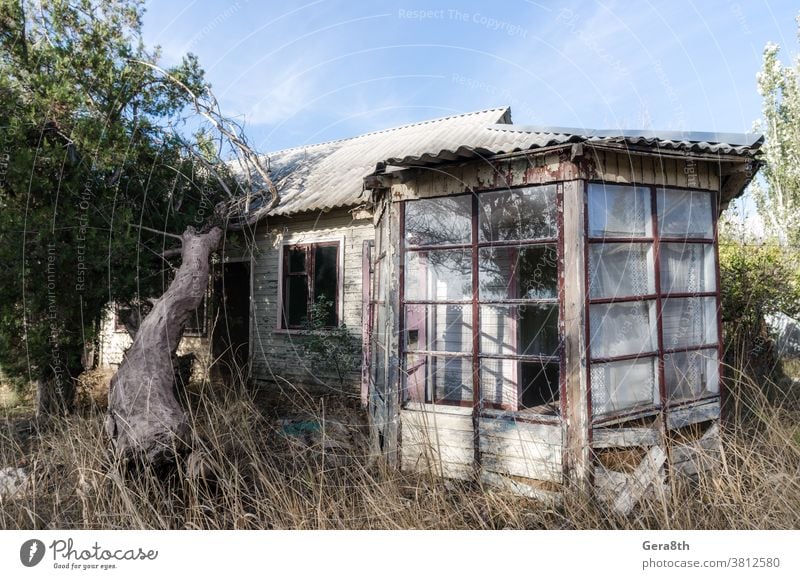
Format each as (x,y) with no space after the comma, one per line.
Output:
(690,375)
(687,267)
(325,280)
(529,272)
(445,327)
(296,301)
(684,213)
(528,213)
(619,386)
(439,377)
(439,221)
(524,330)
(621,269)
(622,328)
(689,322)
(619,211)
(439,275)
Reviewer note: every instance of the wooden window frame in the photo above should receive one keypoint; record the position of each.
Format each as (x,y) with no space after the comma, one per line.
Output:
(285,274)
(478,402)
(665,403)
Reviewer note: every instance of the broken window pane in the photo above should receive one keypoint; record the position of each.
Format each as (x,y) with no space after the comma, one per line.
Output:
(439,275)
(445,327)
(621,269)
(619,211)
(621,329)
(513,384)
(689,321)
(687,267)
(690,375)
(539,385)
(524,330)
(528,272)
(684,213)
(441,378)
(439,221)
(528,213)
(622,385)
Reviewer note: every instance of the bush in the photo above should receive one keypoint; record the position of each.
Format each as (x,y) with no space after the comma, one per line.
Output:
(758,278)
(331,349)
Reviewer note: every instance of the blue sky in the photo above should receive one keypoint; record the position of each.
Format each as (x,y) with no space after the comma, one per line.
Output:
(305,72)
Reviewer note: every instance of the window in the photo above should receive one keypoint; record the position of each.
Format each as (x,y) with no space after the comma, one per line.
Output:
(310,276)
(480,299)
(652,297)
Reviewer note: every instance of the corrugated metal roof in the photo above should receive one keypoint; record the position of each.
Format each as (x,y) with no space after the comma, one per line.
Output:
(507,138)
(328,175)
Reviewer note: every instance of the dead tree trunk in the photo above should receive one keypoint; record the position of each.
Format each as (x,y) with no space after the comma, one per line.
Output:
(145,421)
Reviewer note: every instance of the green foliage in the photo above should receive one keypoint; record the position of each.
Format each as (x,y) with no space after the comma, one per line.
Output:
(331,349)
(89,151)
(758,279)
(779,201)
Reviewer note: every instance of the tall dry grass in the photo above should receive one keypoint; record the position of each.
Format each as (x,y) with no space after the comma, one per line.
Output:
(246,473)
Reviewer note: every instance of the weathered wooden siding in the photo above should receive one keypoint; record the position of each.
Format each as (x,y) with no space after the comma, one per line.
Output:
(441,440)
(580,162)
(113,345)
(279,353)
(521,449)
(437,439)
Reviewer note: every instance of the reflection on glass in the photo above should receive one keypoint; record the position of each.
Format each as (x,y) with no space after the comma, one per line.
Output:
(438,275)
(621,329)
(512,214)
(684,213)
(439,221)
(619,211)
(529,272)
(524,330)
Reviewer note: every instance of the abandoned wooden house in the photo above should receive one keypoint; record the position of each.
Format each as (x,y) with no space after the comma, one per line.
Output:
(535,305)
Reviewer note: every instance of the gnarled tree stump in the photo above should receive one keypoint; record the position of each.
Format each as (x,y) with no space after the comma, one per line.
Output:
(145,421)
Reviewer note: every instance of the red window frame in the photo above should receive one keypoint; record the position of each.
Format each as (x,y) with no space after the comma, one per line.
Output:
(476,356)
(658,296)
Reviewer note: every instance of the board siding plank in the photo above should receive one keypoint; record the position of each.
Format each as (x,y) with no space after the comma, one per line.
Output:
(534,469)
(681,417)
(523,431)
(622,437)
(519,449)
(645,475)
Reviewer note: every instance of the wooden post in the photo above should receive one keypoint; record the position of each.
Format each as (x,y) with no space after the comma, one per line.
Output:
(578,422)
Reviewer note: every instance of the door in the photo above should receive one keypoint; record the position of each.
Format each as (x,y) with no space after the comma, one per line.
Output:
(231,337)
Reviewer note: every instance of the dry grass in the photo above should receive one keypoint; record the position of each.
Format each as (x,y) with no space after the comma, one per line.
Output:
(247,473)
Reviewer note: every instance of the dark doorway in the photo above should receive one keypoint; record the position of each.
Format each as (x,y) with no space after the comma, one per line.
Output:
(231,337)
